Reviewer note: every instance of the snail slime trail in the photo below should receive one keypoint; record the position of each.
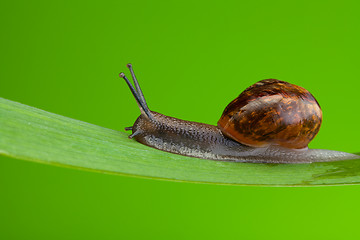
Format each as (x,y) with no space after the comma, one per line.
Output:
(272,121)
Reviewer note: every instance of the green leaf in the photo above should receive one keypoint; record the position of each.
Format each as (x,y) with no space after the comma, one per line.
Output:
(32,134)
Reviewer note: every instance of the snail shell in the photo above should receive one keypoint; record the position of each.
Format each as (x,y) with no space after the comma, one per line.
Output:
(272,112)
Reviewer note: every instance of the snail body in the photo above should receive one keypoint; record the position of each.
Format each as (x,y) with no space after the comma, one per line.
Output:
(241,135)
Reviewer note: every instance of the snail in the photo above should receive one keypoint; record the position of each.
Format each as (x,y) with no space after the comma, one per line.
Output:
(272,121)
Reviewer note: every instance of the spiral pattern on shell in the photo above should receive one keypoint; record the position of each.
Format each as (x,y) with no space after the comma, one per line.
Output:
(272,112)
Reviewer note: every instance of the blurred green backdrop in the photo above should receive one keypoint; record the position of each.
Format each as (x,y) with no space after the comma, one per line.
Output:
(192,58)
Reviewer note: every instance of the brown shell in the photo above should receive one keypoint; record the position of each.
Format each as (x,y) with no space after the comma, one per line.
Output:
(272,112)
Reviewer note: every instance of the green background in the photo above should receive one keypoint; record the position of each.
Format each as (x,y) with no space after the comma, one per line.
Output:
(192,58)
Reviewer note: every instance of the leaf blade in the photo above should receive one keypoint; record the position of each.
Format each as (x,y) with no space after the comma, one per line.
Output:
(32,134)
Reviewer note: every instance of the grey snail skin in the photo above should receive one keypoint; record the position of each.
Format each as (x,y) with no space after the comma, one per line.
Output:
(272,121)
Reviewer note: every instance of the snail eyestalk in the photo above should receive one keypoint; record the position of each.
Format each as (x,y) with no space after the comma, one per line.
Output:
(137,86)
(141,102)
